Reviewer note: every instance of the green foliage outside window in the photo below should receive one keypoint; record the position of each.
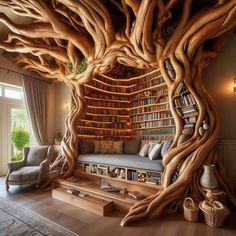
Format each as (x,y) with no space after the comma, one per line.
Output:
(20,138)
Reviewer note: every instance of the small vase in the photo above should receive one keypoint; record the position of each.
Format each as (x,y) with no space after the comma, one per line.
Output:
(208,178)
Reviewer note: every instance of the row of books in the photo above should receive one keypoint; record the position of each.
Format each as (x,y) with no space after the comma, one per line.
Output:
(162,131)
(150,93)
(149,101)
(105,125)
(98,103)
(104,132)
(106,96)
(113,119)
(184,100)
(132,175)
(107,111)
(128,82)
(109,88)
(153,124)
(153,178)
(159,108)
(151,116)
(154,137)
(149,84)
(187,111)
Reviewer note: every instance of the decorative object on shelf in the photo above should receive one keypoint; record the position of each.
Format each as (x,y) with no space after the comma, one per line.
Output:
(205,125)
(201,131)
(208,178)
(191,210)
(136,195)
(214,213)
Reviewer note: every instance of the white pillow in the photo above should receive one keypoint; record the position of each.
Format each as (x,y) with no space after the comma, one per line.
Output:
(155,152)
(144,150)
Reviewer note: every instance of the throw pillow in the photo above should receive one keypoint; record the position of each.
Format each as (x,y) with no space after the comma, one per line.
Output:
(132,146)
(97,146)
(86,146)
(117,147)
(155,152)
(144,150)
(152,144)
(106,147)
(165,147)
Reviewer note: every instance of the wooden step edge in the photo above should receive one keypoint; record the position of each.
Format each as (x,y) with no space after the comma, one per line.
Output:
(94,192)
(96,205)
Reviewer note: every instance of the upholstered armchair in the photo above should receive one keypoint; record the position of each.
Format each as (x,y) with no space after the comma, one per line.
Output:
(33,169)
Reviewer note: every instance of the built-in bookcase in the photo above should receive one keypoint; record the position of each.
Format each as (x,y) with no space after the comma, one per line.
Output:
(128,108)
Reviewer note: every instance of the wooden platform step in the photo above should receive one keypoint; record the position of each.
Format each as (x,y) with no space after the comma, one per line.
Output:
(96,205)
(122,202)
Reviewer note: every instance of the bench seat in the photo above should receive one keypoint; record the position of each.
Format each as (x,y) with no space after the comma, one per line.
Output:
(122,160)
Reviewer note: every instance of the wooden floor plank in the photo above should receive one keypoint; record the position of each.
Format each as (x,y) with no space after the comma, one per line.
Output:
(86,223)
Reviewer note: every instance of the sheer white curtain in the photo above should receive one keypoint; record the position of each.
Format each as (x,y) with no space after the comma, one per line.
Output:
(36,99)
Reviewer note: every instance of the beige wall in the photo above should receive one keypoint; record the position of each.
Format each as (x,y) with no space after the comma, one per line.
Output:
(62,98)
(219,82)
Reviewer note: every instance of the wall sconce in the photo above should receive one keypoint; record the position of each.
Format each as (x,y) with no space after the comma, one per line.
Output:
(67,105)
(234,85)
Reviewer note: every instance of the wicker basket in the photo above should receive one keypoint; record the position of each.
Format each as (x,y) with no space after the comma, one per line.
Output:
(214,212)
(191,210)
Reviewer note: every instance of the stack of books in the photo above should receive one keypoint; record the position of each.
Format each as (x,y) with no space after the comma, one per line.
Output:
(153,178)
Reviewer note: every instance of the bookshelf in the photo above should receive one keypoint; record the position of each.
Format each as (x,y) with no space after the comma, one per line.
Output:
(185,106)
(132,175)
(127,108)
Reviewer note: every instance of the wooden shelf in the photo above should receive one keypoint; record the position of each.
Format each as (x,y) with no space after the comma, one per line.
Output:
(95,114)
(149,112)
(149,105)
(98,128)
(112,108)
(145,121)
(154,128)
(130,79)
(107,100)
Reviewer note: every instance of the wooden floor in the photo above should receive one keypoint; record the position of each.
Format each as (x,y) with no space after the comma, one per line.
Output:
(85,223)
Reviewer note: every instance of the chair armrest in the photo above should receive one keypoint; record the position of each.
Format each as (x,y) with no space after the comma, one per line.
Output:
(15,165)
(43,170)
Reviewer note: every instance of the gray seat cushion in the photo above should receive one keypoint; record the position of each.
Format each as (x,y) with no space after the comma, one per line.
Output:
(124,160)
(36,155)
(24,174)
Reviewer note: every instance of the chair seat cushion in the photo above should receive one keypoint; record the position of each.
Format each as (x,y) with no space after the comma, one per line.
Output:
(23,174)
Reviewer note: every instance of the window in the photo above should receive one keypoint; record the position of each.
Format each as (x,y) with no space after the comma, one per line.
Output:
(13,92)
(13,119)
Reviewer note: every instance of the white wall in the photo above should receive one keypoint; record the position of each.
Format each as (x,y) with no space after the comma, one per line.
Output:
(218,79)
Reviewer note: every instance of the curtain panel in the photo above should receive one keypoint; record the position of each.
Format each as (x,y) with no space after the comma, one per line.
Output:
(36,97)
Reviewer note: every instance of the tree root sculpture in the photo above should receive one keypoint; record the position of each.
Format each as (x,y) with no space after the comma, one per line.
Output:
(66,34)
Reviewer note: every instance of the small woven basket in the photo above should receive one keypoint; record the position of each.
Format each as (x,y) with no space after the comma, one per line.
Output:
(214,212)
(191,210)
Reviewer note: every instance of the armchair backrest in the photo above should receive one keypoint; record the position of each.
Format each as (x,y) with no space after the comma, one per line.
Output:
(35,155)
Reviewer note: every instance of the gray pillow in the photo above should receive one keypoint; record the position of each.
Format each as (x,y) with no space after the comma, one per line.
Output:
(86,146)
(131,146)
(36,155)
(165,147)
(144,150)
(155,152)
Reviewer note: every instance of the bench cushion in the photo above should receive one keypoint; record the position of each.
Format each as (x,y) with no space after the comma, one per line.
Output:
(123,160)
